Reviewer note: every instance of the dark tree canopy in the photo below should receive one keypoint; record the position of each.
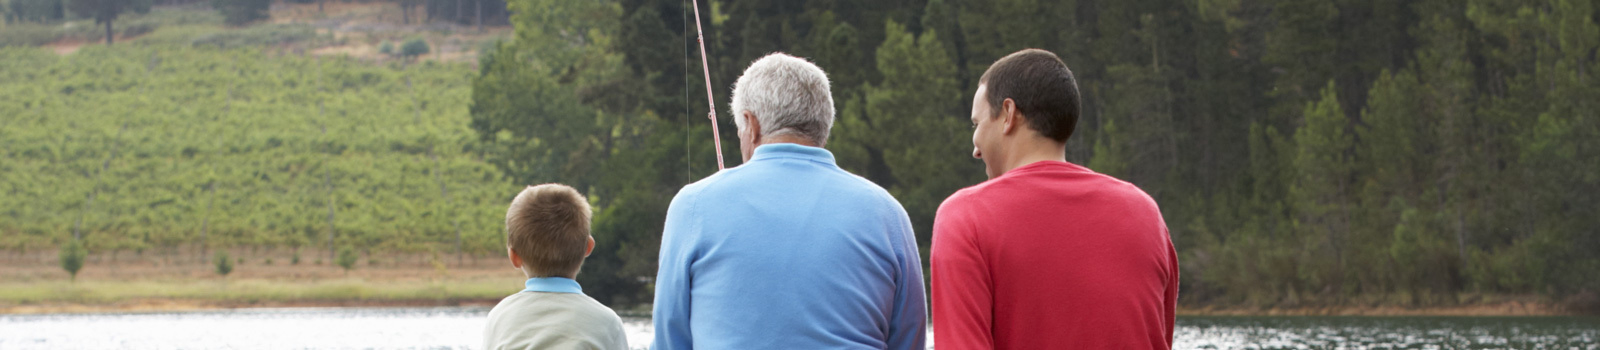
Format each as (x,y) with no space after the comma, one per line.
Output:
(1303,152)
(105,11)
(241,12)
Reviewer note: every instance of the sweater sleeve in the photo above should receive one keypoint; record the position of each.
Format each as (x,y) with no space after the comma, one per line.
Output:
(673,280)
(1171,303)
(963,307)
(908,325)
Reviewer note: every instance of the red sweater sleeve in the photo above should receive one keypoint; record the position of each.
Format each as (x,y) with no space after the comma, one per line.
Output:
(963,304)
(1172,287)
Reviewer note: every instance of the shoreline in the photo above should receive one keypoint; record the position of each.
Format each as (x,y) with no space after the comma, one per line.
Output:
(28,287)
(194,305)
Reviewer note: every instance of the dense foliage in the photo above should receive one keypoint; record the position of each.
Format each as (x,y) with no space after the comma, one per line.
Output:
(241,12)
(175,150)
(223,262)
(414,47)
(19,32)
(474,12)
(34,10)
(347,259)
(71,256)
(1304,152)
(104,12)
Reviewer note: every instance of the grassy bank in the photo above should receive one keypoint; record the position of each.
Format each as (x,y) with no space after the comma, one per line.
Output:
(35,283)
(167,295)
(257,290)
(180,294)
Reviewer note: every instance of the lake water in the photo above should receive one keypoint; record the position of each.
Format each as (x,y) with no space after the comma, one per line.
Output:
(460,328)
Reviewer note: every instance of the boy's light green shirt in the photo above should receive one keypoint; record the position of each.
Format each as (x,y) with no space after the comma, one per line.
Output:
(553,313)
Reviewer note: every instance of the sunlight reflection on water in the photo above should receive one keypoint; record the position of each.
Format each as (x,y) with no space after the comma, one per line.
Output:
(1388,333)
(461,328)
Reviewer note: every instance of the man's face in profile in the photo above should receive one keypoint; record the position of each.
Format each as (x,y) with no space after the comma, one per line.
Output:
(985,132)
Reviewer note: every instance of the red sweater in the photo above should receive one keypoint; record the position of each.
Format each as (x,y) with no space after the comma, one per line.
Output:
(1052,255)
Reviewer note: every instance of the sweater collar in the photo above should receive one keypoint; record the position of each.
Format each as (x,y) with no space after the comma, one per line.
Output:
(790,150)
(553,285)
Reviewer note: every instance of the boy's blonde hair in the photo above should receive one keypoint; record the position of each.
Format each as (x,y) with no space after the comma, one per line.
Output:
(548,227)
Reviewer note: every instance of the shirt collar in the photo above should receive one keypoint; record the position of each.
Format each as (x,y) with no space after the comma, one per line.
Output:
(791,150)
(1048,164)
(553,285)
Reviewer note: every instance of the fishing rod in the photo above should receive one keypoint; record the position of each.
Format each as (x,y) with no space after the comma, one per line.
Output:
(705,68)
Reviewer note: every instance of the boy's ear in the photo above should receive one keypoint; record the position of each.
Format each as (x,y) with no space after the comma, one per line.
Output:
(590,249)
(516,261)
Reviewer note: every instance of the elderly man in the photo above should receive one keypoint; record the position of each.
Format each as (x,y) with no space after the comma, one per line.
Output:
(787,251)
(1046,254)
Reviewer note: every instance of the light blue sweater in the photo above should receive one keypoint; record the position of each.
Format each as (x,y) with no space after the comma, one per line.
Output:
(788,251)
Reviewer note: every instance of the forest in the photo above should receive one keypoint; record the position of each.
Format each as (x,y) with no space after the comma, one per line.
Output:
(1303,152)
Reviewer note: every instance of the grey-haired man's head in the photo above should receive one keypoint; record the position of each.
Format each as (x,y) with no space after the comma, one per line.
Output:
(785,97)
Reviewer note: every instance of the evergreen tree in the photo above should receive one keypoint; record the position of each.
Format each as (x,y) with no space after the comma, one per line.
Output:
(347,259)
(1142,146)
(1321,190)
(72,256)
(34,10)
(105,11)
(242,12)
(915,116)
(223,263)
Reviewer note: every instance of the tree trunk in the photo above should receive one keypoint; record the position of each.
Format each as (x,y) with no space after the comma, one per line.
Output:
(108,32)
(480,16)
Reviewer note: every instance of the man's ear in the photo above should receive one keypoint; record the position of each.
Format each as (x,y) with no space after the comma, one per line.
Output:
(516,261)
(590,249)
(753,126)
(1009,116)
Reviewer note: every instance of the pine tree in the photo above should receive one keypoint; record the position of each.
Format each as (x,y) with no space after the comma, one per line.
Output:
(1139,103)
(72,255)
(915,117)
(1321,189)
(242,12)
(105,11)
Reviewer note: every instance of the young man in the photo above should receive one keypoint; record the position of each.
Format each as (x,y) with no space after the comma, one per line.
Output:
(787,251)
(1046,254)
(547,236)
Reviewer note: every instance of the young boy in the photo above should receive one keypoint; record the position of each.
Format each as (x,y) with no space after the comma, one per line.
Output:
(547,236)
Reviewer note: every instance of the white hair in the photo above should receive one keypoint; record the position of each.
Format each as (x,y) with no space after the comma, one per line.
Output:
(788,95)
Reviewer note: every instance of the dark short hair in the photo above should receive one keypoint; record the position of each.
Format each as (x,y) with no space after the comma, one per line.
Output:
(1041,86)
(548,226)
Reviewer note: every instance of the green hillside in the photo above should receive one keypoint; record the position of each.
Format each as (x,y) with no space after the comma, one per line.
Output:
(172,149)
